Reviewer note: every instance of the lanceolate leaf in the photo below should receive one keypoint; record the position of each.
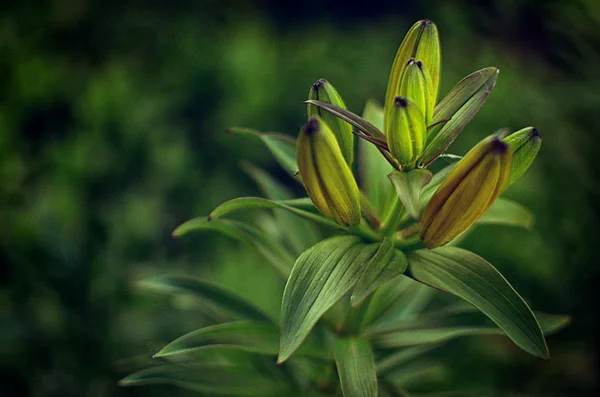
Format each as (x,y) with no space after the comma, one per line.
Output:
(214,298)
(278,257)
(250,336)
(283,147)
(320,277)
(301,207)
(470,277)
(508,212)
(400,357)
(356,367)
(210,380)
(408,186)
(387,263)
(460,105)
(346,115)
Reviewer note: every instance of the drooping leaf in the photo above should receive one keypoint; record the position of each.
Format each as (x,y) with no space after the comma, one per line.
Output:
(320,277)
(387,263)
(356,367)
(470,277)
(302,207)
(300,233)
(283,147)
(373,166)
(214,298)
(278,257)
(508,212)
(351,118)
(458,107)
(408,186)
(210,380)
(401,357)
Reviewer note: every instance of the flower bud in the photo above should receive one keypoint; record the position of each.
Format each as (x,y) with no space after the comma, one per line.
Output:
(407,134)
(415,85)
(323,91)
(524,146)
(467,192)
(326,175)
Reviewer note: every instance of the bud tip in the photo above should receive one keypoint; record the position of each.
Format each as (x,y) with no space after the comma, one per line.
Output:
(400,102)
(499,147)
(535,133)
(426,22)
(312,126)
(319,83)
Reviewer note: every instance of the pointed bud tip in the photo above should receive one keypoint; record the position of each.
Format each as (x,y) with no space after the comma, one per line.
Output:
(319,83)
(498,147)
(400,102)
(535,133)
(425,22)
(312,126)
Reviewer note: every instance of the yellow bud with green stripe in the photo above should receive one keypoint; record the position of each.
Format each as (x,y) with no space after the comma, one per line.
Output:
(326,175)
(415,85)
(408,132)
(467,192)
(323,91)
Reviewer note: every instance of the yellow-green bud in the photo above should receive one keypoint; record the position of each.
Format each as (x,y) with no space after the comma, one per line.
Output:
(467,192)
(415,85)
(408,131)
(524,145)
(326,175)
(323,91)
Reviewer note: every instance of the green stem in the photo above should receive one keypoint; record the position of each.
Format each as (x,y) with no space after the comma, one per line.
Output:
(393,219)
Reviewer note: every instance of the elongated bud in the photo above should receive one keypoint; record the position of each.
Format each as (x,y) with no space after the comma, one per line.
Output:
(421,42)
(408,131)
(323,91)
(326,175)
(415,85)
(524,145)
(467,192)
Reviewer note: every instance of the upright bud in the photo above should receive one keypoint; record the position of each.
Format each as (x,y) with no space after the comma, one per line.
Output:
(323,91)
(326,175)
(408,131)
(524,145)
(415,85)
(467,192)
(421,42)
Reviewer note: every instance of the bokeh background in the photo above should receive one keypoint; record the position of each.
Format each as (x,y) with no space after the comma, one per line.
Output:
(111,134)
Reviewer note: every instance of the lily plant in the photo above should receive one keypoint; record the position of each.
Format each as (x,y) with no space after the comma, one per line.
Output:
(357,307)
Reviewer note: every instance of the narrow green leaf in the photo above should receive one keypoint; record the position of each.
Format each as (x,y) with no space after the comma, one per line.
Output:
(211,296)
(471,278)
(356,367)
(320,277)
(300,233)
(458,107)
(373,166)
(386,264)
(408,186)
(210,380)
(283,147)
(400,357)
(508,212)
(298,207)
(276,255)
(349,117)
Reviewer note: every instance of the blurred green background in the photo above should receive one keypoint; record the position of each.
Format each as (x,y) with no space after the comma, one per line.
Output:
(111,134)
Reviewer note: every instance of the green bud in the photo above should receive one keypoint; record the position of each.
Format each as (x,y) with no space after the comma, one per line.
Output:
(421,42)
(323,91)
(326,175)
(415,85)
(467,192)
(524,145)
(407,134)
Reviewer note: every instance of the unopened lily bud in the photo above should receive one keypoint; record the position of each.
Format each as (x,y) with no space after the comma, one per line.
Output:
(421,42)
(467,192)
(326,175)
(323,91)
(524,145)
(416,85)
(408,131)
